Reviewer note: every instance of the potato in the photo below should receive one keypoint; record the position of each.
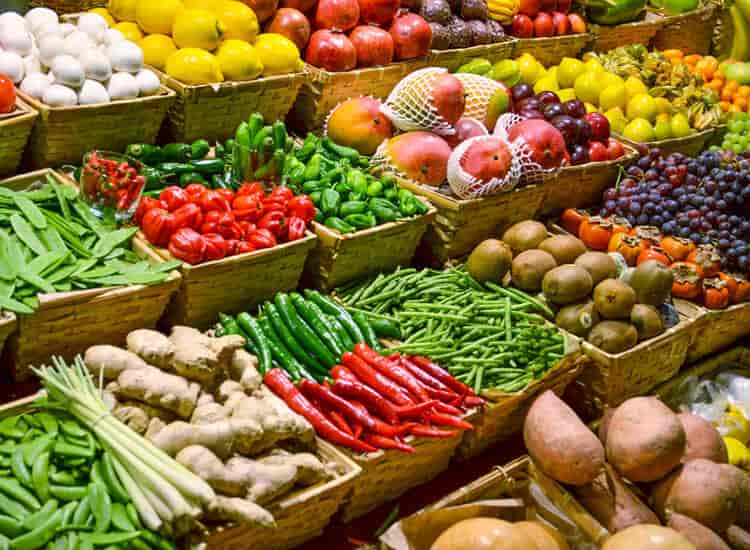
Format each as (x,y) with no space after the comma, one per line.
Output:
(703,439)
(612,503)
(604,424)
(562,446)
(648,537)
(645,439)
(660,492)
(702,537)
(483,534)
(743,503)
(738,538)
(544,536)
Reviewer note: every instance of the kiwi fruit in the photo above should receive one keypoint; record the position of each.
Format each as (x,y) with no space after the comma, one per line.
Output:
(565,248)
(614,299)
(613,336)
(600,265)
(647,321)
(578,318)
(489,261)
(652,282)
(525,235)
(566,284)
(529,268)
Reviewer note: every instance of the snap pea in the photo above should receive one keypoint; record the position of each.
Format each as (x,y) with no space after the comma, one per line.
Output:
(10,527)
(120,518)
(18,466)
(101,506)
(104,539)
(40,476)
(67,492)
(40,516)
(82,512)
(111,481)
(40,445)
(40,536)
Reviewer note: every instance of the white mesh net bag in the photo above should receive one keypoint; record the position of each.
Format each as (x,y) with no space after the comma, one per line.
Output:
(479,90)
(467,186)
(531,171)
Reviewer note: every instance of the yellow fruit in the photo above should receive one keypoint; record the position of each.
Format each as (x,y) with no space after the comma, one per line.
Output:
(157,17)
(545,84)
(122,10)
(195,28)
(551,72)
(590,108)
(194,66)
(593,65)
(238,60)
(106,15)
(663,127)
(202,4)
(588,86)
(639,130)
(156,49)
(642,106)
(681,126)
(568,70)
(613,96)
(531,70)
(238,19)
(566,94)
(617,120)
(734,424)
(610,79)
(129,30)
(663,105)
(739,455)
(278,54)
(635,86)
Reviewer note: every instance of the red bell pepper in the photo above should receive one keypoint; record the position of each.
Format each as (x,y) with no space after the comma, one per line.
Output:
(232,245)
(244,247)
(379,382)
(248,228)
(195,190)
(281,194)
(247,208)
(174,197)
(303,207)
(146,204)
(188,215)
(392,370)
(216,247)
(254,188)
(274,205)
(187,245)
(210,222)
(227,194)
(213,200)
(275,222)
(227,226)
(296,228)
(262,238)
(158,226)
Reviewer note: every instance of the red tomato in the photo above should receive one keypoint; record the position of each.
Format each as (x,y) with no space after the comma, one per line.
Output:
(7,94)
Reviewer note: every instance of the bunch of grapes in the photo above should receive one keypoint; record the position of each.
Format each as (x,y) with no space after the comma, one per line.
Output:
(705,199)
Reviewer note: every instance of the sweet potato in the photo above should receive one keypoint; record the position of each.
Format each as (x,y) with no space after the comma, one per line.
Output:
(604,425)
(702,537)
(563,447)
(703,439)
(648,537)
(738,538)
(544,536)
(660,492)
(645,439)
(743,503)
(612,503)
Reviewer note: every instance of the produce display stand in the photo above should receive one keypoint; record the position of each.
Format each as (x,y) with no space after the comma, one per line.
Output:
(66,323)
(690,32)
(324,90)
(550,50)
(68,6)
(342,257)
(690,145)
(715,329)
(581,186)
(63,134)
(461,224)
(232,284)
(609,37)
(301,516)
(213,111)
(15,129)
(454,58)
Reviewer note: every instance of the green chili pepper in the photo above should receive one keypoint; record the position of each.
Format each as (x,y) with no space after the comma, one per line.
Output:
(191,177)
(385,328)
(242,135)
(229,147)
(340,151)
(259,143)
(251,328)
(307,336)
(208,166)
(199,149)
(309,146)
(255,125)
(175,168)
(176,152)
(288,338)
(279,136)
(219,151)
(146,153)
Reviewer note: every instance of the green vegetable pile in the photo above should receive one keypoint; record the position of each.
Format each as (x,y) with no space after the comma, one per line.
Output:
(347,197)
(51,242)
(486,336)
(59,489)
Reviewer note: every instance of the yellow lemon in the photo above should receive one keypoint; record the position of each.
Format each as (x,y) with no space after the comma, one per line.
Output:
(194,66)
(202,4)
(642,106)
(238,19)
(739,455)
(593,64)
(639,130)
(663,126)
(635,86)
(129,30)
(613,96)
(568,70)
(278,54)
(122,10)
(617,120)
(680,126)
(156,49)
(545,84)
(194,28)
(566,94)
(531,70)
(590,108)
(734,424)
(238,60)
(663,105)
(588,86)
(157,17)
(106,15)
(610,79)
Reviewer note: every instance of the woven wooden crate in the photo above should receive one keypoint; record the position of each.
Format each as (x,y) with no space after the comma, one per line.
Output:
(68,6)
(583,185)
(213,111)
(15,129)
(323,90)
(454,58)
(63,134)
(233,284)
(301,516)
(717,329)
(690,32)
(66,323)
(721,43)
(609,37)
(504,414)
(460,225)
(550,50)
(690,145)
(339,258)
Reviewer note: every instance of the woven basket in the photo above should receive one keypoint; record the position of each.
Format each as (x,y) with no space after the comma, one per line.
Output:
(690,32)
(68,6)
(717,329)
(609,37)
(339,258)
(323,90)
(213,111)
(690,145)
(583,185)
(461,224)
(721,42)
(63,134)
(233,284)
(453,59)
(551,50)
(15,129)
(300,517)
(66,323)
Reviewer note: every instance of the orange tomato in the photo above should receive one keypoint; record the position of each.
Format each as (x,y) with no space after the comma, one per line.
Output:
(732,85)
(744,90)
(724,105)
(726,94)
(692,59)
(740,102)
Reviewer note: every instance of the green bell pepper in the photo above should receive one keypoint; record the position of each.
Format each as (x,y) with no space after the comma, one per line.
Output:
(384,211)
(407,202)
(391,194)
(312,186)
(352,207)
(330,202)
(312,170)
(315,196)
(339,225)
(623,11)
(357,181)
(375,189)
(361,221)
(342,187)
(309,146)
(199,149)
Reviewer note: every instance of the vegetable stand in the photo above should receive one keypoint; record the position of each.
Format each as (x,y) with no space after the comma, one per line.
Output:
(15,129)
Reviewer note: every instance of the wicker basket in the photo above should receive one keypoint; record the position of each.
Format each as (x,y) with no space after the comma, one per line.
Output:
(550,51)
(66,323)
(300,517)
(63,134)
(68,6)
(690,32)
(15,129)
(233,284)
(721,41)
(609,37)
(453,59)
(461,224)
(717,329)
(503,416)
(340,258)
(324,90)
(583,185)
(8,324)
(690,145)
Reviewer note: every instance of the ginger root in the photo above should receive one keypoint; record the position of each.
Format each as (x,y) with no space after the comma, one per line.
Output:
(310,470)
(243,368)
(209,467)
(160,389)
(110,361)
(202,358)
(134,418)
(210,412)
(222,438)
(152,346)
(238,510)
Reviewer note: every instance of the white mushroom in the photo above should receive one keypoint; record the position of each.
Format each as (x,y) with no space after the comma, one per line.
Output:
(68,71)
(123,86)
(35,85)
(58,95)
(148,82)
(39,16)
(11,64)
(92,92)
(77,42)
(16,40)
(94,25)
(96,65)
(125,56)
(50,46)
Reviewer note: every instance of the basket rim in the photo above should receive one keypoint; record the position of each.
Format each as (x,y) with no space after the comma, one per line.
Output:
(23,113)
(321,75)
(180,88)
(575,37)
(670,19)
(656,21)
(165,94)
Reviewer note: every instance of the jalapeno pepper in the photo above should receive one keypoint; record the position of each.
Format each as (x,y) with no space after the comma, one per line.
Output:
(191,177)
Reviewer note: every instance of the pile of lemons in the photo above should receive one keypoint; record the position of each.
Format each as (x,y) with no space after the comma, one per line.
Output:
(202,41)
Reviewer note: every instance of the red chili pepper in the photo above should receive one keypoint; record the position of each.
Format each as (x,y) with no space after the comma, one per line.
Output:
(279,383)
(472,401)
(428,431)
(123,201)
(296,228)
(281,194)
(262,238)
(392,370)
(232,245)
(158,226)
(441,395)
(195,190)
(441,374)
(254,188)
(382,442)
(427,380)
(340,372)
(338,420)
(358,429)
(146,204)
(449,420)
(227,194)
(244,247)
(448,408)
(303,207)
(371,399)
(275,222)
(135,187)
(213,200)
(415,411)
(247,228)
(216,247)
(188,215)
(174,197)
(380,383)
(227,226)
(247,207)
(187,245)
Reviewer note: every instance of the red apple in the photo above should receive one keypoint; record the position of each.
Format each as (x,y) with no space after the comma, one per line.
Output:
(561,23)
(529,7)
(293,24)
(577,23)
(599,126)
(543,25)
(597,151)
(564,5)
(522,27)
(615,149)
